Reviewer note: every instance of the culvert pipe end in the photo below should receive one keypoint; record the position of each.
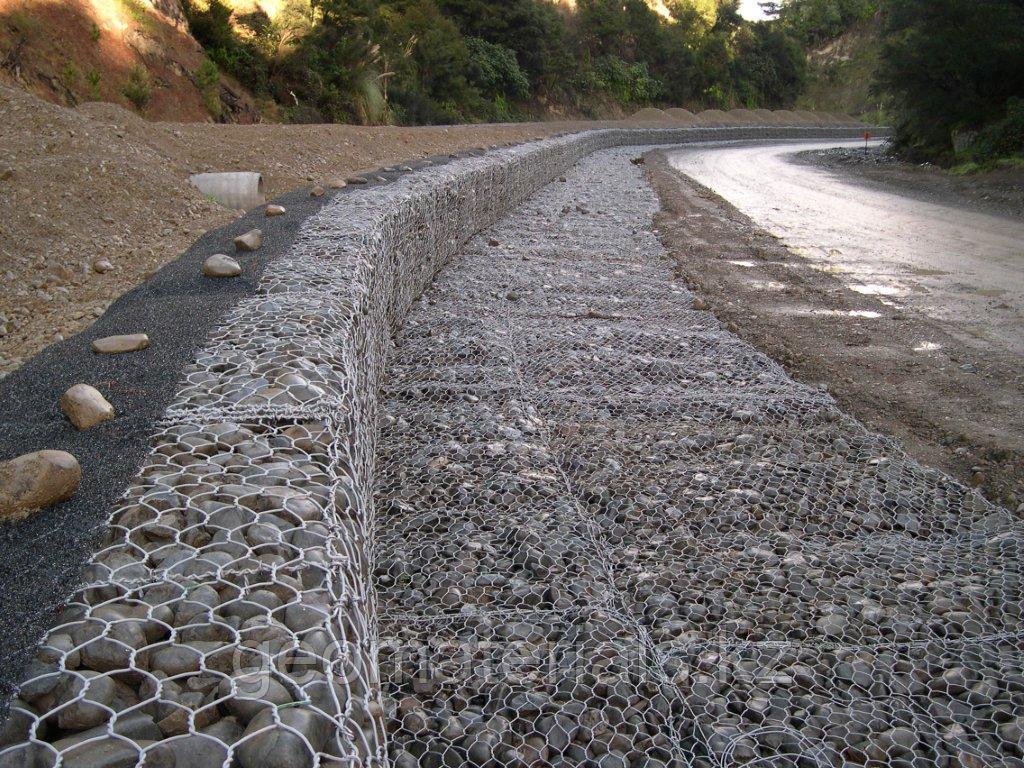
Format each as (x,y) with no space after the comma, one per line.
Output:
(236,189)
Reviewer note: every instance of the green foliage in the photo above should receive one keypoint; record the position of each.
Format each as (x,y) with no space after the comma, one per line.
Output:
(211,25)
(771,69)
(207,79)
(949,66)
(94,32)
(94,78)
(138,89)
(440,61)
(1003,138)
(495,71)
(628,84)
(70,76)
(815,21)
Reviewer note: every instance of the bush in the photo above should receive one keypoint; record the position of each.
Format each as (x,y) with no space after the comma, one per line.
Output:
(628,84)
(210,24)
(1003,138)
(207,79)
(138,90)
(495,71)
(94,78)
(949,66)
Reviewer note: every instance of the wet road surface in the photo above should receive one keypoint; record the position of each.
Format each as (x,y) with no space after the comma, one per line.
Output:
(959,266)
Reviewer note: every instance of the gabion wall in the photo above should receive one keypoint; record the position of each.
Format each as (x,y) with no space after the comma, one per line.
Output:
(611,534)
(230,616)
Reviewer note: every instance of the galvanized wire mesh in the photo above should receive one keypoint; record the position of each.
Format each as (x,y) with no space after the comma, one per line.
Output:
(612,534)
(230,615)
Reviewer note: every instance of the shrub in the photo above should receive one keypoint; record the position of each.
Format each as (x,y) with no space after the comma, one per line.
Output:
(1002,138)
(138,90)
(70,76)
(207,79)
(93,78)
(494,69)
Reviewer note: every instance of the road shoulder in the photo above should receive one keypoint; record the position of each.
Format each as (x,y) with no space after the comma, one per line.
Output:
(967,419)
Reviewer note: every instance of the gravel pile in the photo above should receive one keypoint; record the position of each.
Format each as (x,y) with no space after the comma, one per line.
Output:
(609,533)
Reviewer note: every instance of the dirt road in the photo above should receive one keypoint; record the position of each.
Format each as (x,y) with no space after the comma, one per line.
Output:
(908,310)
(959,266)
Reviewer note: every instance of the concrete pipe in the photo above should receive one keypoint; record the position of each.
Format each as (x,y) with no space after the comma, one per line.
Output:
(238,189)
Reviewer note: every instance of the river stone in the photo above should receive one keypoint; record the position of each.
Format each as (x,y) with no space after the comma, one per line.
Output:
(268,745)
(221,265)
(832,625)
(174,660)
(93,707)
(106,753)
(274,210)
(226,730)
(250,241)
(337,184)
(85,407)
(255,691)
(195,751)
(137,726)
(102,266)
(113,345)
(34,481)
(317,191)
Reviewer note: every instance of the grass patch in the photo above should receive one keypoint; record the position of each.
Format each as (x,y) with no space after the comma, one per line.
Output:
(966,169)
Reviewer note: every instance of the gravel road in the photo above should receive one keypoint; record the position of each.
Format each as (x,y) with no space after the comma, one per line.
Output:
(955,264)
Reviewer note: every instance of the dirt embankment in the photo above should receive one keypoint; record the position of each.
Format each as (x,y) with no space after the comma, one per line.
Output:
(965,419)
(79,185)
(135,53)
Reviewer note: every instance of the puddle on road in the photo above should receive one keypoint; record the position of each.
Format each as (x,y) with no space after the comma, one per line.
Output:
(743,262)
(861,314)
(877,289)
(927,346)
(767,285)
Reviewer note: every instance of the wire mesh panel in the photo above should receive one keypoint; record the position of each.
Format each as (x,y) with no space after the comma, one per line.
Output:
(612,534)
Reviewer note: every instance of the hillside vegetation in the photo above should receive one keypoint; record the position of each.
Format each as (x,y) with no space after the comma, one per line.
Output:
(430,61)
(948,74)
(397,61)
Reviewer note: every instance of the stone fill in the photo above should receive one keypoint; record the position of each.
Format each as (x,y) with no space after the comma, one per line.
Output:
(610,533)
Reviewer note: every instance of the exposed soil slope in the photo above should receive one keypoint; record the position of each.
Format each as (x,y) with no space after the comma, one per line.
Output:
(74,51)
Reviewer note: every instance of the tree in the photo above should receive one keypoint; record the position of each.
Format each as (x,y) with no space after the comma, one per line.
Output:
(949,66)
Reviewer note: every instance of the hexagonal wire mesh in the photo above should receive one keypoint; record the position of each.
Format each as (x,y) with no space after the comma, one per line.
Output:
(611,534)
(229,616)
